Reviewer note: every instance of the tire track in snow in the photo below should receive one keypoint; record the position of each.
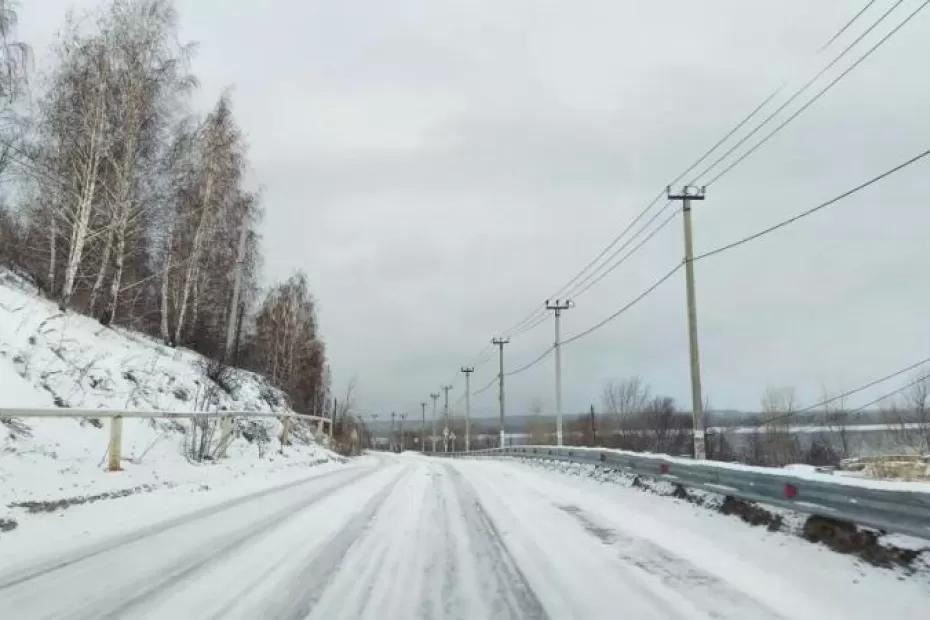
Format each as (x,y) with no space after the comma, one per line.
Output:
(95,583)
(512,597)
(574,576)
(703,590)
(429,552)
(313,578)
(20,576)
(707,591)
(205,556)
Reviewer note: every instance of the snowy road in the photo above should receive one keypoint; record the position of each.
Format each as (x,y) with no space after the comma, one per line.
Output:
(412,537)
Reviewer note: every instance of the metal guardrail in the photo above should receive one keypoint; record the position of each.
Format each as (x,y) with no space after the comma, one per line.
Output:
(66,412)
(891,509)
(114,449)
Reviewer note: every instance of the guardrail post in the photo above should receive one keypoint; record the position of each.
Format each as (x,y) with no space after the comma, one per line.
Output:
(115,449)
(285,429)
(226,427)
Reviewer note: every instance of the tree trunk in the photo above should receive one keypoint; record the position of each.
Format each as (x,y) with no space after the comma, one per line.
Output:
(76,250)
(165,334)
(194,257)
(81,223)
(237,280)
(117,275)
(53,238)
(101,273)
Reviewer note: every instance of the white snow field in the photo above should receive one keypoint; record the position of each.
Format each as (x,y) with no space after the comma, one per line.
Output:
(419,537)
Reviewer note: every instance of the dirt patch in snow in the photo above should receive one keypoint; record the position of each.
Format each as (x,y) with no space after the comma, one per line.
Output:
(751,513)
(845,537)
(54,505)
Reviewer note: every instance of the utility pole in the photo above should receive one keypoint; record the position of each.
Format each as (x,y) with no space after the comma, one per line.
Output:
(500,342)
(593,428)
(423,427)
(468,372)
(435,397)
(393,442)
(233,322)
(403,438)
(689,193)
(445,419)
(557,307)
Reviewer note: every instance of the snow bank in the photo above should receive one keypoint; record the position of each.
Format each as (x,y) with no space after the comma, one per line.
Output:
(805,472)
(49,358)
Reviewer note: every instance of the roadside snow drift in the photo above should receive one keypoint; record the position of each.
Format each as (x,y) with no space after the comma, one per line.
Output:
(49,358)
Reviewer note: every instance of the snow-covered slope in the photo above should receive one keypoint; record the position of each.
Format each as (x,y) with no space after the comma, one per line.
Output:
(49,358)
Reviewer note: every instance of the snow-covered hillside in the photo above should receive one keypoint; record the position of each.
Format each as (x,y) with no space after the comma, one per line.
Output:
(49,358)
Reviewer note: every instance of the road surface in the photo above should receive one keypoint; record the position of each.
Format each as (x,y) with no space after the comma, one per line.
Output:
(414,537)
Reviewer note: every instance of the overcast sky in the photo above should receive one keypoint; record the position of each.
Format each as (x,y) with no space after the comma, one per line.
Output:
(438,168)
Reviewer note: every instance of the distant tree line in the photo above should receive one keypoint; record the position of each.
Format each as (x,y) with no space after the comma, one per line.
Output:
(630,417)
(121,202)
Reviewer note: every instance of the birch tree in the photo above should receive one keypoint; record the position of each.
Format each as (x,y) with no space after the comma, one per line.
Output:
(73,126)
(214,176)
(14,62)
(288,351)
(148,79)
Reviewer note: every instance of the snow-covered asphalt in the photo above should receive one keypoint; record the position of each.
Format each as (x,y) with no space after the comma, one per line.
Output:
(415,537)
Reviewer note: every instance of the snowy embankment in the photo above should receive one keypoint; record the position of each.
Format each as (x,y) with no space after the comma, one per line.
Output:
(49,358)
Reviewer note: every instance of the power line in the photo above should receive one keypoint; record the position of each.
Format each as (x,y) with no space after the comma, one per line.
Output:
(797,93)
(846,27)
(485,388)
(632,303)
(813,210)
(538,316)
(890,394)
(535,361)
(849,393)
(539,320)
(813,99)
(532,319)
(623,259)
(609,246)
(749,238)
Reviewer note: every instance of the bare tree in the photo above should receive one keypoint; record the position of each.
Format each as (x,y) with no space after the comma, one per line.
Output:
(836,419)
(777,445)
(214,175)
(625,400)
(910,418)
(287,349)
(917,399)
(537,428)
(14,63)
(664,425)
(147,78)
(73,131)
